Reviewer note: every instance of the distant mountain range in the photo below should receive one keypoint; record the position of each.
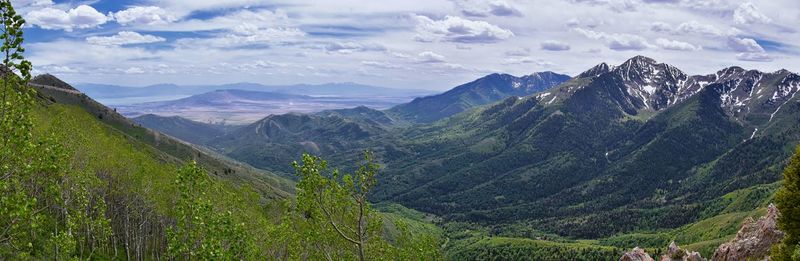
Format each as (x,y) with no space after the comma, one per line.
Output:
(641,145)
(244,107)
(122,95)
(482,91)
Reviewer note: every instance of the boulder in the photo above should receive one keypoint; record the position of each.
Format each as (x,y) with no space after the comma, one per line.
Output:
(675,253)
(754,240)
(637,254)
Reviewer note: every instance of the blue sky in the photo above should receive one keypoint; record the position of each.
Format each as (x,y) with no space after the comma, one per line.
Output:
(421,44)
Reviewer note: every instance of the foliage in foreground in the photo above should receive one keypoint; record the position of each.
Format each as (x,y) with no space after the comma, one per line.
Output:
(787,200)
(333,220)
(44,210)
(201,232)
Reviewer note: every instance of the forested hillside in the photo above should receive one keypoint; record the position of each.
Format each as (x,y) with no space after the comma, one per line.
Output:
(637,147)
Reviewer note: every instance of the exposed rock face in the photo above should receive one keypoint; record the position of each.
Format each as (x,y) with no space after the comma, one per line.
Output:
(675,253)
(753,241)
(637,254)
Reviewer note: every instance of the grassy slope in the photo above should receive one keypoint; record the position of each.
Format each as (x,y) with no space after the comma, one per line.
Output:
(137,167)
(268,185)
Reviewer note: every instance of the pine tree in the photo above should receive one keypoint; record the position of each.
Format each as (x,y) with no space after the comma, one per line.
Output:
(788,201)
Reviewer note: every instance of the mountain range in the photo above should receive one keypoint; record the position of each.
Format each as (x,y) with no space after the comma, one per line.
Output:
(234,106)
(483,91)
(125,95)
(634,154)
(637,146)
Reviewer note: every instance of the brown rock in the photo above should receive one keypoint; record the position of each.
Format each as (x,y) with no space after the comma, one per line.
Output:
(637,254)
(675,253)
(753,241)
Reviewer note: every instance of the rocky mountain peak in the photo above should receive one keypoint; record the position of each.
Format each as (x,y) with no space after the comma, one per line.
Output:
(50,80)
(655,85)
(596,70)
(730,71)
(639,60)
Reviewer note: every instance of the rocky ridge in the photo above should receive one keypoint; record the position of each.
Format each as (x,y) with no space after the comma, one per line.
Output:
(754,240)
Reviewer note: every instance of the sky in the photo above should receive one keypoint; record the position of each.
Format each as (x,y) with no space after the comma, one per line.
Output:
(413,44)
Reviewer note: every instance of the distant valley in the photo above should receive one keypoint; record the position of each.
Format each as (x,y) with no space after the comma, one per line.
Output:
(244,102)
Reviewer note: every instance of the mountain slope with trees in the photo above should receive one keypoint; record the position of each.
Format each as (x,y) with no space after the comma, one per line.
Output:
(489,89)
(617,149)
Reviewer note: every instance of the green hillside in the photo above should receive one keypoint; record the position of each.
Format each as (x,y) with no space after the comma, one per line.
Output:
(591,158)
(184,129)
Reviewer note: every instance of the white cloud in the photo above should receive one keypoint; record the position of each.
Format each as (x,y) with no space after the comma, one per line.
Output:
(519,52)
(686,28)
(185,7)
(676,45)
(749,50)
(24,3)
(164,69)
(240,21)
(527,60)
(707,5)
(350,47)
(451,66)
(617,41)
(503,8)
(748,13)
(660,27)
(430,57)
(83,16)
(382,65)
(589,22)
(124,38)
(265,36)
(144,15)
(134,70)
(754,57)
(694,27)
(54,69)
(460,30)
(554,46)
(744,45)
(614,5)
(484,8)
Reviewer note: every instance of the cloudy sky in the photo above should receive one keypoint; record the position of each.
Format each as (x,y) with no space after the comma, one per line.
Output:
(422,44)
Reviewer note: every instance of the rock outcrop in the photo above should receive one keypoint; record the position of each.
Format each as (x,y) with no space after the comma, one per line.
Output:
(753,241)
(675,253)
(637,254)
